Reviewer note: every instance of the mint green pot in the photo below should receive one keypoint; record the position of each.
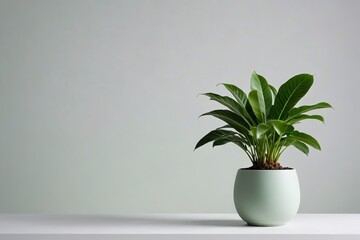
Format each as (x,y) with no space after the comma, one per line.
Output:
(266,197)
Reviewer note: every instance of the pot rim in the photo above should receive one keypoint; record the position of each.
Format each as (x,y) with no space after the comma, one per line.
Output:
(266,170)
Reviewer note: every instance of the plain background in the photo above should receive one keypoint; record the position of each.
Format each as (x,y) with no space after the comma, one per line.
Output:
(99,108)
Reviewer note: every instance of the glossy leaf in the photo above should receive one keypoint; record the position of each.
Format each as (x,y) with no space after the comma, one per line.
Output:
(289,129)
(253,131)
(249,109)
(231,104)
(213,135)
(301,146)
(238,94)
(264,94)
(273,90)
(232,119)
(305,117)
(255,105)
(262,129)
(280,126)
(305,138)
(289,95)
(306,108)
(230,139)
(225,126)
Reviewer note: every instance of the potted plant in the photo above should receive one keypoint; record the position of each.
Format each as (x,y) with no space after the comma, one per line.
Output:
(262,123)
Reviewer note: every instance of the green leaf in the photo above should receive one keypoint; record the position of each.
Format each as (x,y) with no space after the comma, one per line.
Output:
(251,113)
(255,105)
(225,126)
(260,84)
(238,94)
(306,108)
(231,104)
(222,141)
(232,119)
(305,117)
(213,135)
(290,94)
(301,146)
(230,139)
(280,126)
(305,138)
(261,129)
(253,131)
(273,90)
(289,129)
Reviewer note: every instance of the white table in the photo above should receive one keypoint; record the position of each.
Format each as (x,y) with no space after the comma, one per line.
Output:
(174,226)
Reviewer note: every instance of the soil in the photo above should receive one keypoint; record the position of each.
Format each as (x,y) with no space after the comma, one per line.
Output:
(267,166)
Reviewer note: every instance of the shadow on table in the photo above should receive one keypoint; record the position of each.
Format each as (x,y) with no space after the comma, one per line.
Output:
(131,220)
(220,223)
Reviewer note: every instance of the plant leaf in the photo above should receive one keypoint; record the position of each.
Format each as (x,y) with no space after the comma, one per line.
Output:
(225,126)
(280,126)
(289,94)
(255,105)
(213,135)
(273,90)
(238,94)
(304,117)
(253,131)
(261,129)
(306,108)
(301,146)
(251,113)
(230,139)
(232,119)
(289,129)
(305,138)
(231,104)
(260,84)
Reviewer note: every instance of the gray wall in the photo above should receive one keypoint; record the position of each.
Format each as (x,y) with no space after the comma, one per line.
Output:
(99,111)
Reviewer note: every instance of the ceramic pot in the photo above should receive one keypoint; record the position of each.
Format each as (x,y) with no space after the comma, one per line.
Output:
(266,197)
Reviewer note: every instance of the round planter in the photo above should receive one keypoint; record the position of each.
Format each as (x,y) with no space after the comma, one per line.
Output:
(266,197)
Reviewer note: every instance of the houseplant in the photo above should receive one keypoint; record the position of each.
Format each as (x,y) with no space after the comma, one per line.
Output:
(262,123)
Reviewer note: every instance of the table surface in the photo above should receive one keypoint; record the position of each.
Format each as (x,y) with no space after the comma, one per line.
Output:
(338,224)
